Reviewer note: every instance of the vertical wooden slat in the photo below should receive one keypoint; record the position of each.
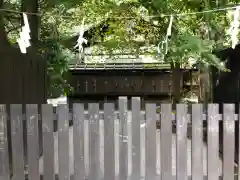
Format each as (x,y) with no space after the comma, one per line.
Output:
(150,141)
(39,77)
(40,131)
(228,141)
(28,78)
(34,80)
(238,141)
(32,142)
(94,146)
(182,121)
(44,79)
(48,142)
(197,142)
(109,153)
(17,141)
(2,76)
(213,142)
(136,157)
(166,141)
(4,155)
(63,142)
(78,141)
(123,135)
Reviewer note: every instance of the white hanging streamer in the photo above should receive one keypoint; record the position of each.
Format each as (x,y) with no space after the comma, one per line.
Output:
(233,30)
(165,42)
(169,30)
(81,40)
(24,40)
(26,24)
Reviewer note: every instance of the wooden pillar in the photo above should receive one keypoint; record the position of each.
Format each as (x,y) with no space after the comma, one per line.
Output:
(176,82)
(205,85)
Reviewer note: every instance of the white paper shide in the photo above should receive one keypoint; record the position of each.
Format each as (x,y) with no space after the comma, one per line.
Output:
(234,29)
(81,40)
(24,40)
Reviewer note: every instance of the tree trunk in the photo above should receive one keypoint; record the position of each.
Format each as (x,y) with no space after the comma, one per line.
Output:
(19,73)
(176,82)
(31,6)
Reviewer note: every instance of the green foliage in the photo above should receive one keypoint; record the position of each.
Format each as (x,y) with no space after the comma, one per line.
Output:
(186,47)
(57,59)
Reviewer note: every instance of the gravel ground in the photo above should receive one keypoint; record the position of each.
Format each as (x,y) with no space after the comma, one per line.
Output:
(129,151)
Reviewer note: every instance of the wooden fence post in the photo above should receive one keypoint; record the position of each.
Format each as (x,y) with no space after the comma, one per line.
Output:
(78,141)
(197,142)
(17,141)
(4,154)
(228,141)
(166,141)
(213,142)
(123,138)
(32,142)
(48,142)
(182,121)
(63,142)
(150,141)
(109,151)
(94,147)
(136,159)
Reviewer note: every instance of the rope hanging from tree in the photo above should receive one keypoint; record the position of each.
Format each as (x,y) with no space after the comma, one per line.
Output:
(126,17)
(24,40)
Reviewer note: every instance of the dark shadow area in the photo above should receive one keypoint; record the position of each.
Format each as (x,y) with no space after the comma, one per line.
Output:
(226,89)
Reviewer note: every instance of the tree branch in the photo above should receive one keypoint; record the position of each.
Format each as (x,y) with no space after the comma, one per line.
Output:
(13,29)
(8,19)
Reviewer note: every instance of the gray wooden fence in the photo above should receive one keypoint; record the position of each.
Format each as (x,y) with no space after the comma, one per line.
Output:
(137,155)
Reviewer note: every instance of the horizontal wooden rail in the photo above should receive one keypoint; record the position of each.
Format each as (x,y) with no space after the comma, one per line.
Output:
(116,113)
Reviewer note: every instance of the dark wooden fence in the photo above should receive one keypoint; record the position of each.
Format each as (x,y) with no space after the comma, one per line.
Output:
(119,143)
(23,80)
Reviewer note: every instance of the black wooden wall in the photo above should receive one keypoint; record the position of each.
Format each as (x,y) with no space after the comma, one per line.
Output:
(22,80)
(226,85)
(107,85)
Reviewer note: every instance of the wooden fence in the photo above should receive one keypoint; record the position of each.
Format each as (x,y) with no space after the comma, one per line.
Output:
(23,79)
(117,144)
